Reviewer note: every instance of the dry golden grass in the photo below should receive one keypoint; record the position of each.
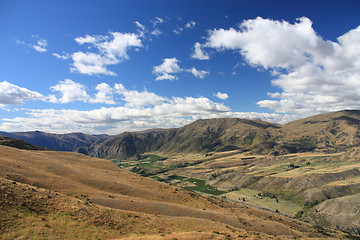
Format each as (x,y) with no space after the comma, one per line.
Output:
(111,202)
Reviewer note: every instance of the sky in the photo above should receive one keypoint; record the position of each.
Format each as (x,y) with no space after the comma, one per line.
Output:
(114,66)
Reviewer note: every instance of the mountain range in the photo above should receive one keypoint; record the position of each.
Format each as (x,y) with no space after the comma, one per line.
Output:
(73,142)
(329,132)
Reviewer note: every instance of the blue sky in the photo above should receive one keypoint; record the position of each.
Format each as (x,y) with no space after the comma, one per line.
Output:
(115,66)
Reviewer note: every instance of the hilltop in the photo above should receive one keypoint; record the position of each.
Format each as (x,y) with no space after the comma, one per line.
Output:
(331,132)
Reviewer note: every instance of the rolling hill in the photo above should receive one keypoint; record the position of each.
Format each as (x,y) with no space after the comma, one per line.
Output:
(303,169)
(69,195)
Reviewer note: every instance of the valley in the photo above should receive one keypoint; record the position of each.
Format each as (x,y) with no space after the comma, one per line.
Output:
(70,195)
(293,185)
(214,178)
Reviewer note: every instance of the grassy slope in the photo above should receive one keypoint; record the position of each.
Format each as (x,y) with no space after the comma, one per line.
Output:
(55,194)
(314,178)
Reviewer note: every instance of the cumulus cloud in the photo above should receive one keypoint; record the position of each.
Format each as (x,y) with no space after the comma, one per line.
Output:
(170,66)
(135,98)
(199,53)
(139,110)
(104,94)
(222,96)
(166,70)
(174,112)
(70,91)
(11,94)
(315,75)
(110,50)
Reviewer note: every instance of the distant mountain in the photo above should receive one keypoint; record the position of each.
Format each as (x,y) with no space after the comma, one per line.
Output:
(20,144)
(221,134)
(330,132)
(75,142)
(325,132)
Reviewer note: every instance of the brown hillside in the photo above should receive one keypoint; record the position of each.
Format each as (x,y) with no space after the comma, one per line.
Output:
(331,132)
(201,136)
(159,208)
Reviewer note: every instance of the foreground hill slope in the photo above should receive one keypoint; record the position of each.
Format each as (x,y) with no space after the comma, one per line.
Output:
(325,132)
(41,189)
(75,142)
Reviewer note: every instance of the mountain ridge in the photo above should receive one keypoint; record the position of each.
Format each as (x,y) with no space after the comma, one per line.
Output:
(324,132)
(329,132)
(74,142)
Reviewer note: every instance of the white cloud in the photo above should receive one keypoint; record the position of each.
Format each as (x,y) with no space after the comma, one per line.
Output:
(110,50)
(40,45)
(88,39)
(166,76)
(270,43)
(141,28)
(315,75)
(104,94)
(157,21)
(11,94)
(165,70)
(178,30)
(198,73)
(222,96)
(92,63)
(70,92)
(135,98)
(199,53)
(139,25)
(190,24)
(156,32)
(175,112)
(170,67)
(65,56)
(141,110)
